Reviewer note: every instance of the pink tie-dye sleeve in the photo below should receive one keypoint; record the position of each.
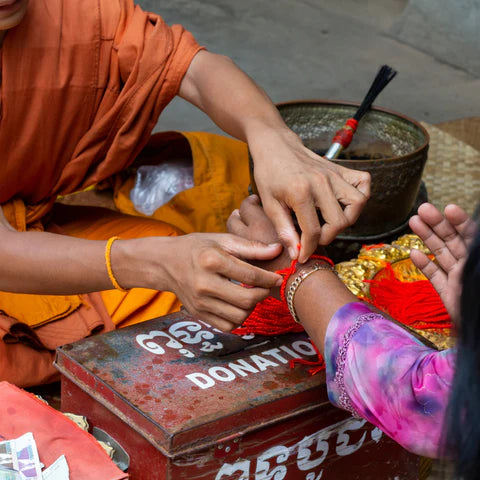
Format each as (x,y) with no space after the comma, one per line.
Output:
(379,371)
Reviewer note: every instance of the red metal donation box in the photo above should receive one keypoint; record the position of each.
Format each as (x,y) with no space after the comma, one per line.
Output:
(189,402)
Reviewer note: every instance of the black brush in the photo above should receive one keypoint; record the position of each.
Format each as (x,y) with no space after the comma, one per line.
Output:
(344,136)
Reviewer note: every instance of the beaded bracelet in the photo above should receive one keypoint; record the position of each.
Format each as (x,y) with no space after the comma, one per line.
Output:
(108,261)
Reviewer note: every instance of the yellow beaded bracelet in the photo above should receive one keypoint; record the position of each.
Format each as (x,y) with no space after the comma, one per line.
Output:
(108,261)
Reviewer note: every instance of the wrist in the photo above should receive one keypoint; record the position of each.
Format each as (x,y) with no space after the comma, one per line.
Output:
(305,267)
(261,134)
(141,262)
(301,277)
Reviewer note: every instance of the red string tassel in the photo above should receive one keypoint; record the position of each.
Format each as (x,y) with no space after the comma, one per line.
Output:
(412,303)
(318,365)
(272,317)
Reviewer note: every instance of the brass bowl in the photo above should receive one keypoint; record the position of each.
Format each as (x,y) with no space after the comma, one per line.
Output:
(389,145)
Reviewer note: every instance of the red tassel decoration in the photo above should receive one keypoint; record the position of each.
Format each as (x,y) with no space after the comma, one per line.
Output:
(416,304)
(318,366)
(270,317)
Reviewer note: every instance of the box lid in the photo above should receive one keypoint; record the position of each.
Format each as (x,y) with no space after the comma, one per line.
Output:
(183,385)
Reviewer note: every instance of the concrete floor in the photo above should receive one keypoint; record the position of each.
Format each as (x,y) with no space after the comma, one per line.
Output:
(313,49)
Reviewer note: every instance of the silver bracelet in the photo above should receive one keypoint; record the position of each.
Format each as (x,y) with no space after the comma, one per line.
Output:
(299,279)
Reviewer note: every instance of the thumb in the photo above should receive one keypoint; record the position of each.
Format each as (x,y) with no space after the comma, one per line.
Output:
(251,249)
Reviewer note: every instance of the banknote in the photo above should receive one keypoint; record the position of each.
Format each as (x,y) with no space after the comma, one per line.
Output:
(19,459)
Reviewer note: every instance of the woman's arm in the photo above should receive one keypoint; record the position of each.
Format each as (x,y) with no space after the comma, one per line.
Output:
(375,369)
(241,108)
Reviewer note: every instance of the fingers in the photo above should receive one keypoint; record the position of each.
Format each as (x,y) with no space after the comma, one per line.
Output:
(362,181)
(251,210)
(226,305)
(330,208)
(440,234)
(422,262)
(331,194)
(339,201)
(281,218)
(352,189)
(210,288)
(447,236)
(432,271)
(213,320)
(353,201)
(224,261)
(463,223)
(253,214)
(249,274)
(249,249)
(309,223)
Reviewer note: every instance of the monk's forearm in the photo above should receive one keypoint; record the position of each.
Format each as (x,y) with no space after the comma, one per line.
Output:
(316,300)
(47,263)
(229,97)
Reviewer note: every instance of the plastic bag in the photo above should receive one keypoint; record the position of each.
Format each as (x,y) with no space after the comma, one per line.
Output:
(155,185)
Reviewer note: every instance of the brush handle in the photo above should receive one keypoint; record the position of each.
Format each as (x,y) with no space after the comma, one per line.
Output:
(342,139)
(333,151)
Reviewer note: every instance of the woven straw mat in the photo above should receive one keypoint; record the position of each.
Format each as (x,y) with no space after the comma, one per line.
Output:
(452,172)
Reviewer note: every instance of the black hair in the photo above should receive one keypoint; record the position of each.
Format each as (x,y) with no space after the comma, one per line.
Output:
(462,432)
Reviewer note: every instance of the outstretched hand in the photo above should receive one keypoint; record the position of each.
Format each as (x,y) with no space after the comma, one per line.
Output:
(448,237)
(289,177)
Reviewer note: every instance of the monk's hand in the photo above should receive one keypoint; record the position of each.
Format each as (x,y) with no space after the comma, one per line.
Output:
(448,237)
(208,271)
(290,177)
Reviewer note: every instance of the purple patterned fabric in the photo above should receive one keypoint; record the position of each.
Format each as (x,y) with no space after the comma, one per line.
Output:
(379,371)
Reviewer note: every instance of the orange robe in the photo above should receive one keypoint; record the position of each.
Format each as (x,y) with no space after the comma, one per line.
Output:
(82,86)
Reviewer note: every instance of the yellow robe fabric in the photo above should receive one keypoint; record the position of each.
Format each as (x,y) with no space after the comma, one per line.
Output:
(221,179)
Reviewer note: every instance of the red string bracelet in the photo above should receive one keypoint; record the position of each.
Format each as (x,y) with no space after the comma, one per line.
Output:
(288,272)
(272,317)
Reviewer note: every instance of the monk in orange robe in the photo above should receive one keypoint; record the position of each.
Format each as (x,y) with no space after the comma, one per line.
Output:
(82,86)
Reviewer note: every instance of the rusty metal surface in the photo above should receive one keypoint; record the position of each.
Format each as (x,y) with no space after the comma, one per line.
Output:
(327,443)
(183,385)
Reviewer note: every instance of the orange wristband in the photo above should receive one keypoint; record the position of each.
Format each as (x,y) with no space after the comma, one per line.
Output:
(108,261)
